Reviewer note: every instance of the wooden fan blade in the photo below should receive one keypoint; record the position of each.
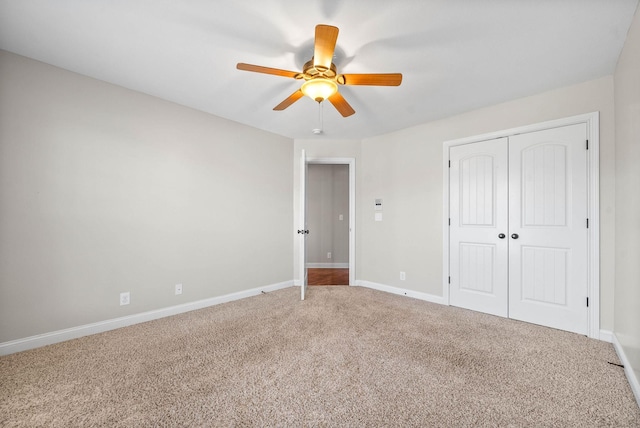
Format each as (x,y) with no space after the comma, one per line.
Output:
(289,100)
(341,104)
(325,44)
(266,70)
(388,79)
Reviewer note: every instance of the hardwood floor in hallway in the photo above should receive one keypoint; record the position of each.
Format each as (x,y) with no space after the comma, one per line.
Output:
(328,276)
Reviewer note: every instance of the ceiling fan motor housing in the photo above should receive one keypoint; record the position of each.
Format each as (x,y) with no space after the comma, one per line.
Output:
(309,71)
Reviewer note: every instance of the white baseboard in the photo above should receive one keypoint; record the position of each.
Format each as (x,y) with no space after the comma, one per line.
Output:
(401,291)
(112,324)
(606,336)
(628,371)
(328,265)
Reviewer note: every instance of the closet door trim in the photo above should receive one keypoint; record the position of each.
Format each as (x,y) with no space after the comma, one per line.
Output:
(593,195)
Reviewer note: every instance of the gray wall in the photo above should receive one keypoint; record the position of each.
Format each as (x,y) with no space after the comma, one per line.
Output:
(327,199)
(627,176)
(104,190)
(405,170)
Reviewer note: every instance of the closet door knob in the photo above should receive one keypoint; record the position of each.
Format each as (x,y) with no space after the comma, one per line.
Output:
(501,236)
(515,236)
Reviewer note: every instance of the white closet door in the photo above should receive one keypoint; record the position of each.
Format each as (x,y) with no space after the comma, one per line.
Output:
(478,213)
(547,228)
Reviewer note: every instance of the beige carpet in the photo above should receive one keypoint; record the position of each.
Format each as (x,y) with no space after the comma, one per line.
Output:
(347,356)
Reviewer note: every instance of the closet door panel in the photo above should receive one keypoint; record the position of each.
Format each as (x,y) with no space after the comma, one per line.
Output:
(547,228)
(478,213)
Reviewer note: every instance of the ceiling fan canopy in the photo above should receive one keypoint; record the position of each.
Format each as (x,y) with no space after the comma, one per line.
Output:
(321,78)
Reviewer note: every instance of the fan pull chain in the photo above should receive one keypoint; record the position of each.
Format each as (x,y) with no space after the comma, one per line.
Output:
(320,130)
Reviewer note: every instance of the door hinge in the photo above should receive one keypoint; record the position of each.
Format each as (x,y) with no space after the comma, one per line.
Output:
(449,280)
(587,302)
(449,222)
(587,144)
(587,223)
(449,164)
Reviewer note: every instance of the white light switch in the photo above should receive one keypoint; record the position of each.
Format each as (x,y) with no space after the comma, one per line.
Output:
(340,217)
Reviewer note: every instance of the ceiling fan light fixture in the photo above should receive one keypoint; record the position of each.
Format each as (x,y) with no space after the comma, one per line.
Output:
(319,89)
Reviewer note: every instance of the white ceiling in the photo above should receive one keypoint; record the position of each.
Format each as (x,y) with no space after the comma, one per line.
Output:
(455,55)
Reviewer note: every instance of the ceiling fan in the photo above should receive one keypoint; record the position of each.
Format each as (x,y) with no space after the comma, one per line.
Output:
(320,76)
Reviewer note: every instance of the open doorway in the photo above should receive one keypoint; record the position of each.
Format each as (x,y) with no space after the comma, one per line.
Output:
(328,216)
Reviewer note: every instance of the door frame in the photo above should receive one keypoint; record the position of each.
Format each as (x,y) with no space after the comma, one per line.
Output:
(592,120)
(351,162)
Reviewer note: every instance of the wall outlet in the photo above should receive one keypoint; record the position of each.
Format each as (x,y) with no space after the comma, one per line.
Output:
(178,289)
(403,276)
(329,255)
(125,298)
